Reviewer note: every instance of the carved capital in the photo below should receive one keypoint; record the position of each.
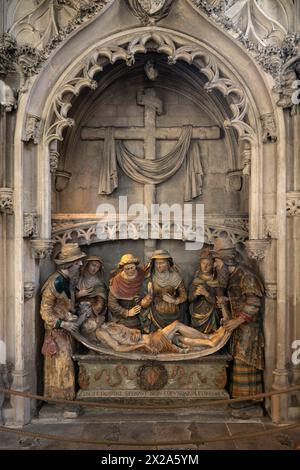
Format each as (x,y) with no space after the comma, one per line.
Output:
(269,129)
(42,249)
(29,289)
(32,129)
(31,228)
(256,249)
(271,290)
(53,161)
(149,11)
(6,200)
(234,181)
(293,204)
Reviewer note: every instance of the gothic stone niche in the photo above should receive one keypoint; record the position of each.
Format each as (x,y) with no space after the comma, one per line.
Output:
(132,113)
(147,116)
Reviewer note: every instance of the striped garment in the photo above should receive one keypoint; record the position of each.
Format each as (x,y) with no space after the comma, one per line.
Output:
(245,380)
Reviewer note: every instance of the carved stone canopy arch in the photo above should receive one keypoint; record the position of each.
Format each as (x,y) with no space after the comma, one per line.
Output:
(59,118)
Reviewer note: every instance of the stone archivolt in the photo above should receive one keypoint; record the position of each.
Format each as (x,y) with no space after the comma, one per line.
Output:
(58,118)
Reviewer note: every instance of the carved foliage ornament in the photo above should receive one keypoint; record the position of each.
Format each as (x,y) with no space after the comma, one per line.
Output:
(256,249)
(58,18)
(293,204)
(6,200)
(150,11)
(42,249)
(30,224)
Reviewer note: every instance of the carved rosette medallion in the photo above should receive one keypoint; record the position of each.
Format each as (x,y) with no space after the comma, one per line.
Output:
(256,249)
(42,249)
(152,376)
(150,11)
(6,200)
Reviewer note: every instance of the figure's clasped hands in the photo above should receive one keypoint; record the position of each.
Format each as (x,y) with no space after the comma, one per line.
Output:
(84,292)
(202,291)
(134,311)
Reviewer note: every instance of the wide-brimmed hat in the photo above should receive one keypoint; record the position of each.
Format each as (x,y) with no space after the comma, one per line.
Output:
(224,250)
(128,259)
(69,253)
(93,258)
(161,254)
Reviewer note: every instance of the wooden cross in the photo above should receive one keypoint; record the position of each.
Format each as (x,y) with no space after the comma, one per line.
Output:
(149,134)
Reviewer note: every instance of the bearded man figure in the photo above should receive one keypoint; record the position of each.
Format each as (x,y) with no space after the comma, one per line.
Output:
(57,311)
(127,293)
(245,292)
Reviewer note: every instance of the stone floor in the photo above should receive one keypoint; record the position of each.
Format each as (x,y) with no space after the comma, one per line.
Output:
(140,428)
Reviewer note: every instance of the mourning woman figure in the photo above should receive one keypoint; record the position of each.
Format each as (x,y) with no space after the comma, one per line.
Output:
(91,294)
(166,287)
(205,314)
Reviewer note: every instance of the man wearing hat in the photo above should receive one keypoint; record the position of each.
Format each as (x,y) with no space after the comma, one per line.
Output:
(245,292)
(168,292)
(57,308)
(127,297)
(205,288)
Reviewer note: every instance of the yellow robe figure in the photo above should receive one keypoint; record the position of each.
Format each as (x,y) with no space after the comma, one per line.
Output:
(59,376)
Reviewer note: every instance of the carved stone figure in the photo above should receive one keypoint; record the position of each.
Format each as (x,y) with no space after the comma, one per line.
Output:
(91,294)
(245,292)
(7,97)
(127,292)
(204,311)
(269,128)
(168,293)
(123,339)
(57,311)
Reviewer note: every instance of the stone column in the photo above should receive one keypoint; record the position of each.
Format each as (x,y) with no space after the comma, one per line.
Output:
(281,381)
(21,406)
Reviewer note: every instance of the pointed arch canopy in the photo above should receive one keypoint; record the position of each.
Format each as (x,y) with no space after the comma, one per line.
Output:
(177,47)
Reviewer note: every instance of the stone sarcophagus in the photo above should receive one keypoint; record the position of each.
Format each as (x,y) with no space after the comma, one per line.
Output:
(103,376)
